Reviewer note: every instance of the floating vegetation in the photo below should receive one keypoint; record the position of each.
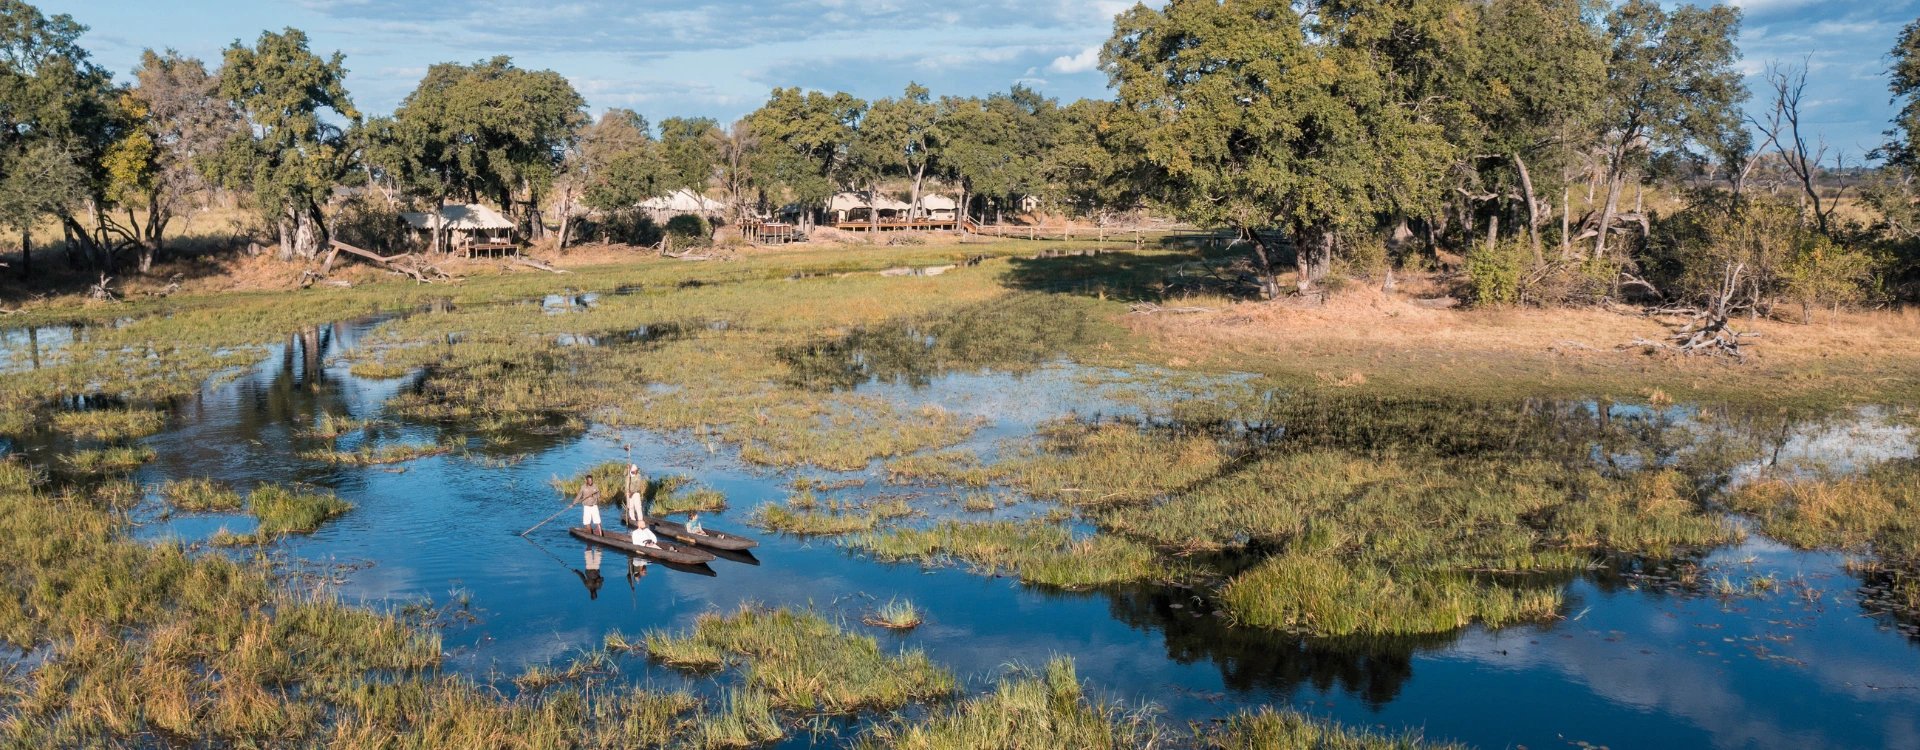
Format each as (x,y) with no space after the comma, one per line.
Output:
(1323,595)
(330,426)
(1036,552)
(109,424)
(896,614)
(961,468)
(786,519)
(115,460)
(370,456)
(282,511)
(200,495)
(1267,728)
(1045,709)
(804,663)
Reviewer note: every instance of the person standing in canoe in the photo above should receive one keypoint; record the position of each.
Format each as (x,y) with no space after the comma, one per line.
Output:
(589,500)
(635,493)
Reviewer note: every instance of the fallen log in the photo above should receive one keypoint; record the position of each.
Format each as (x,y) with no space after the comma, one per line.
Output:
(532,263)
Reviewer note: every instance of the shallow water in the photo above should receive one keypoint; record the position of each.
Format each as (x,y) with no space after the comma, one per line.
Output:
(1633,665)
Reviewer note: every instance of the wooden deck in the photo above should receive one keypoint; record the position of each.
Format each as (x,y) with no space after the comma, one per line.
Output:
(928,225)
(490,248)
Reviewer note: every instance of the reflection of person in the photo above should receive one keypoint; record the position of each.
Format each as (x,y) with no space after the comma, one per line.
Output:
(589,500)
(591,576)
(636,570)
(635,513)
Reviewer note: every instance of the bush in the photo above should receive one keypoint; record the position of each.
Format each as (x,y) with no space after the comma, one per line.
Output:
(1827,274)
(1494,273)
(372,225)
(689,229)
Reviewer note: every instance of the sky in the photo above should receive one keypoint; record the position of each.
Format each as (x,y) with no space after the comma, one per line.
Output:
(718,59)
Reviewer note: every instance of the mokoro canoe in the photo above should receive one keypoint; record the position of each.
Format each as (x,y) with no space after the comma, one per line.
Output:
(666,552)
(706,538)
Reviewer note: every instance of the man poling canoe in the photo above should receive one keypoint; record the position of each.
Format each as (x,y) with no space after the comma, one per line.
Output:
(634,511)
(589,500)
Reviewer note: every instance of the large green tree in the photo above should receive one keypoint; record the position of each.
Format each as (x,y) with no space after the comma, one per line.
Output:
(1671,87)
(805,139)
(1241,115)
(174,122)
(295,149)
(55,104)
(690,149)
(490,129)
(901,136)
(998,147)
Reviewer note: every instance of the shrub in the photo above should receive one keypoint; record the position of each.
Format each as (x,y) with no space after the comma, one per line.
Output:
(689,229)
(1494,273)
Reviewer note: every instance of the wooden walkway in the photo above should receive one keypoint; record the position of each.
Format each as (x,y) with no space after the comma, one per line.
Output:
(931,225)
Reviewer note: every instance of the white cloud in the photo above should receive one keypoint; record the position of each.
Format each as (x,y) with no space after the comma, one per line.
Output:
(1087,60)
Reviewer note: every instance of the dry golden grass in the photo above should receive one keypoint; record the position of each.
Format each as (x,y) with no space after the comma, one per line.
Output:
(1363,337)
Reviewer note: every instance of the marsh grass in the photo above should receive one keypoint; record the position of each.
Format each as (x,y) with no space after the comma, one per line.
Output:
(896,614)
(1037,552)
(1267,728)
(383,455)
(1028,709)
(102,461)
(806,521)
(962,468)
(376,369)
(805,664)
(1875,511)
(1323,595)
(109,424)
(200,495)
(330,426)
(282,511)
(745,720)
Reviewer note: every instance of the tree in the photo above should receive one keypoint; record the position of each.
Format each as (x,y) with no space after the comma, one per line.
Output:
(174,121)
(1541,68)
(617,164)
(999,146)
(1084,166)
(901,136)
(41,179)
(1781,126)
(1239,116)
(735,152)
(1670,85)
(489,129)
(55,106)
(291,155)
(805,139)
(690,147)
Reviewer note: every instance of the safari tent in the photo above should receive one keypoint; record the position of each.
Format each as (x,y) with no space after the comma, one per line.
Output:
(469,227)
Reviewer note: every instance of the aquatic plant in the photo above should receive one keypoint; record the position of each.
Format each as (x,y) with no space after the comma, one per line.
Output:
(786,519)
(1036,552)
(1266,727)
(804,663)
(109,424)
(282,511)
(200,495)
(116,460)
(371,456)
(896,614)
(1026,709)
(1323,595)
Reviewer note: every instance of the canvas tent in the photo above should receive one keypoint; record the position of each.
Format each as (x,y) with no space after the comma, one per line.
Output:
(854,207)
(682,202)
(938,207)
(468,225)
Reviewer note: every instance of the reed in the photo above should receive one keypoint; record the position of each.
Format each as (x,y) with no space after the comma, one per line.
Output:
(380,456)
(896,614)
(1028,709)
(1036,552)
(805,664)
(103,461)
(1266,727)
(200,495)
(109,424)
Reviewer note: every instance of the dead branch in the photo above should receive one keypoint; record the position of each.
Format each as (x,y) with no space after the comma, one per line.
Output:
(532,263)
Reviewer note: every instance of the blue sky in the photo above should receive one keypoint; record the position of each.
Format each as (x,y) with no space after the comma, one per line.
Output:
(718,59)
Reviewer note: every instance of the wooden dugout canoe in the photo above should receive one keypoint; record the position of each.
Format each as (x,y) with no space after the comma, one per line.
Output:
(706,538)
(666,552)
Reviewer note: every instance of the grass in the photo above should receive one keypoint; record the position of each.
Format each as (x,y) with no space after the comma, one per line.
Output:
(282,511)
(1268,728)
(1323,595)
(102,461)
(896,614)
(109,424)
(803,663)
(1026,710)
(1036,552)
(1875,511)
(803,515)
(370,456)
(330,426)
(962,468)
(200,495)
(374,369)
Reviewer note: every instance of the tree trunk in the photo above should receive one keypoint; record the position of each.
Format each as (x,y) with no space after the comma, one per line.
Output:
(26,251)
(1566,222)
(1262,264)
(1606,215)
(1533,207)
(873,210)
(1493,231)
(1315,257)
(285,226)
(913,207)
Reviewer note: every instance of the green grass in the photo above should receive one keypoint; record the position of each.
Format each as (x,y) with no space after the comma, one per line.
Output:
(1047,709)
(802,515)
(1323,595)
(803,663)
(330,426)
(1037,552)
(1265,727)
(282,511)
(896,614)
(369,456)
(200,495)
(115,460)
(109,424)
(374,369)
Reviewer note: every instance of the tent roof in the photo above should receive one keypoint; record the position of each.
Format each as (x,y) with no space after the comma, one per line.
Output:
(937,202)
(460,217)
(847,201)
(683,200)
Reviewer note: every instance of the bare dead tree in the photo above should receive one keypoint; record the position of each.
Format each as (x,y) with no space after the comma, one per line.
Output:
(1781,128)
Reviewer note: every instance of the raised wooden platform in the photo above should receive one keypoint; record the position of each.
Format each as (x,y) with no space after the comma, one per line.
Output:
(928,225)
